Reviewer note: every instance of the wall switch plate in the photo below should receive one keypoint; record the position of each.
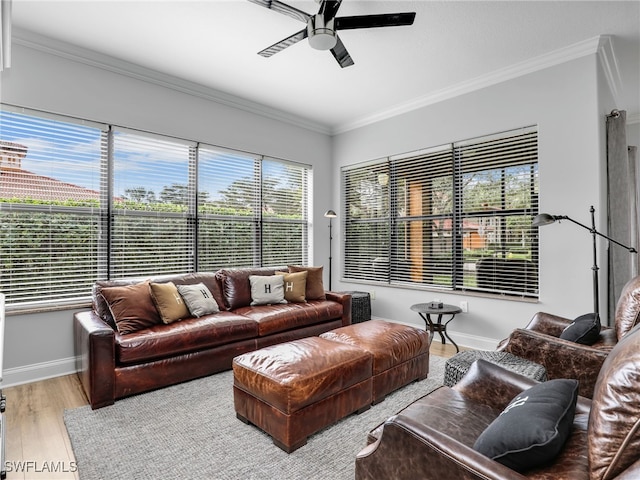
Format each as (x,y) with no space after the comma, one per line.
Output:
(464,305)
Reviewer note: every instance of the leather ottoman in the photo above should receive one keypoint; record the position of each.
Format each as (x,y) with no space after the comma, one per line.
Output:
(400,352)
(294,389)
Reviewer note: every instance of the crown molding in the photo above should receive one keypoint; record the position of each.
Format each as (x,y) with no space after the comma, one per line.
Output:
(91,58)
(600,44)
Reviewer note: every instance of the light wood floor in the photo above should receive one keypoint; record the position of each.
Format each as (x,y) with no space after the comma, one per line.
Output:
(37,444)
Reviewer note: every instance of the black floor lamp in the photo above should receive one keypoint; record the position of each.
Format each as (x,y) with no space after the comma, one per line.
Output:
(330,214)
(546,219)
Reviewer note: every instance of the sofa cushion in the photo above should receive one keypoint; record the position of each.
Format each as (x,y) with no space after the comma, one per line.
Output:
(585,329)
(315,285)
(190,335)
(281,317)
(199,299)
(235,286)
(614,436)
(533,428)
(168,301)
(267,289)
(295,286)
(131,307)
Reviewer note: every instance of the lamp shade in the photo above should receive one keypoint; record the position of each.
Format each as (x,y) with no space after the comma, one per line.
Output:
(330,214)
(543,219)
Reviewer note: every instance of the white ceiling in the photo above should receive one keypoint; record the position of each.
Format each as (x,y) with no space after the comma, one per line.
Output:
(452,44)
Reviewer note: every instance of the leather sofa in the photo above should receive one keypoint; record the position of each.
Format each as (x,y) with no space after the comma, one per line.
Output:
(112,365)
(433,438)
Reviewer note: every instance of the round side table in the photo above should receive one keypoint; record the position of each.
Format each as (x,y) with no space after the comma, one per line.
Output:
(425,311)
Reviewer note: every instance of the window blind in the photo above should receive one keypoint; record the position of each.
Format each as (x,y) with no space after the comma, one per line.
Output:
(228,200)
(51,177)
(81,201)
(454,217)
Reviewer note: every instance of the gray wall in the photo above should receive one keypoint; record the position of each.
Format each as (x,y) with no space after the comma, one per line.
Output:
(564,101)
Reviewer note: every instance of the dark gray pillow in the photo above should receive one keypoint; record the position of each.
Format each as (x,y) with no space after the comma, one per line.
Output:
(198,299)
(584,330)
(533,428)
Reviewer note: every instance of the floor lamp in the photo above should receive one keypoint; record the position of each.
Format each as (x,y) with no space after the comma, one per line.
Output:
(330,214)
(546,219)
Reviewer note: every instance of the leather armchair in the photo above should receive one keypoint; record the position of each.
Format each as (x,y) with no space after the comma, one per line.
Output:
(539,341)
(433,438)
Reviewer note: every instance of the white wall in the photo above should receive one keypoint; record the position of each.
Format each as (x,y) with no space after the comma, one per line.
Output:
(563,102)
(38,345)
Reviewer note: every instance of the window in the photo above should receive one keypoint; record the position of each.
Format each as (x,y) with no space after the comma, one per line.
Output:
(454,217)
(82,201)
(50,206)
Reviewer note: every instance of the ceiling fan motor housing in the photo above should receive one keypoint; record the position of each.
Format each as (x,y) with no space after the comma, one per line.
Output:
(322,36)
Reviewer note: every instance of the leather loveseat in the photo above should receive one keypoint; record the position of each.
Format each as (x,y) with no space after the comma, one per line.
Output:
(113,363)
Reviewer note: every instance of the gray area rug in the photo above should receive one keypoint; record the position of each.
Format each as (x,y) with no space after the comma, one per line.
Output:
(190,431)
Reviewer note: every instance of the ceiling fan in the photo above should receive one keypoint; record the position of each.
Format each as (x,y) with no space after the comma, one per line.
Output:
(323,26)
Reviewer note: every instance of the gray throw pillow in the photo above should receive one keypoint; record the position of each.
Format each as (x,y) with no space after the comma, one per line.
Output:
(198,299)
(267,290)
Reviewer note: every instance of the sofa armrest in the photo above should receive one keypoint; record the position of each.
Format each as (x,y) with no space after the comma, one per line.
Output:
(410,450)
(345,300)
(492,385)
(561,358)
(94,342)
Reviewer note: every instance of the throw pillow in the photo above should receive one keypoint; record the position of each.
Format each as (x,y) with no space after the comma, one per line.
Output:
(199,299)
(168,301)
(131,307)
(295,286)
(533,428)
(585,329)
(315,287)
(267,290)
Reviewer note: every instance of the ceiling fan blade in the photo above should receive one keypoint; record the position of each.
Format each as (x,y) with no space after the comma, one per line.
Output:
(372,21)
(341,55)
(283,8)
(282,44)
(329,9)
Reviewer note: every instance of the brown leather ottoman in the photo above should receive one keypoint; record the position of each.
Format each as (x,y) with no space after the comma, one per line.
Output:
(400,352)
(295,389)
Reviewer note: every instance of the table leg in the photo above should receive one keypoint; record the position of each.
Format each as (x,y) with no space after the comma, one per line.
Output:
(445,332)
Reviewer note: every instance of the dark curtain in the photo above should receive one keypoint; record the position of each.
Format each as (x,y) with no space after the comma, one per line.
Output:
(622,206)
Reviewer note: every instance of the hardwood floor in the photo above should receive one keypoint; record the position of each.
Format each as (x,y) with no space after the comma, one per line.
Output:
(37,444)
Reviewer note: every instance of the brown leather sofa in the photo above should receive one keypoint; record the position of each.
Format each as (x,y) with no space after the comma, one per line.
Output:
(433,438)
(539,341)
(112,365)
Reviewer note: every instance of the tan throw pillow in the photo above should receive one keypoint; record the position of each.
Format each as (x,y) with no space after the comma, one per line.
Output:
(315,285)
(131,307)
(295,286)
(169,302)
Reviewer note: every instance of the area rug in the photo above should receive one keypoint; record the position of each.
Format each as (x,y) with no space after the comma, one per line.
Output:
(190,431)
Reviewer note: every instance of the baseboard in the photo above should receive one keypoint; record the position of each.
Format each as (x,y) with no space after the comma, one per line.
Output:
(38,371)
(462,339)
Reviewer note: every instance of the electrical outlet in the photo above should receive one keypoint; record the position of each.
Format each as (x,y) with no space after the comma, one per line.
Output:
(372,294)
(464,305)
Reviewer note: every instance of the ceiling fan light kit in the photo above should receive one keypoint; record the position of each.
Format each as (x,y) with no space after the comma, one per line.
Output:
(322,27)
(321,36)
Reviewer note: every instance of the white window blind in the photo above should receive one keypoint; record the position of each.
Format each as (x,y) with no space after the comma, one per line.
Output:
(285,197)
(51,177)
(152,206)
(453,217)
(81,202)
(228,202)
